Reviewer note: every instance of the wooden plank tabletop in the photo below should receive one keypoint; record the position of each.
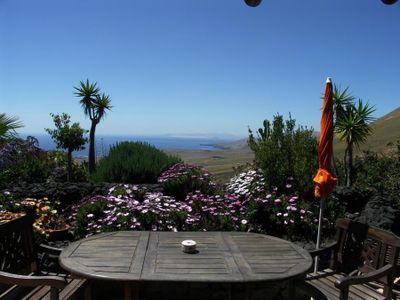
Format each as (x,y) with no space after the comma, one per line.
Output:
(157,256)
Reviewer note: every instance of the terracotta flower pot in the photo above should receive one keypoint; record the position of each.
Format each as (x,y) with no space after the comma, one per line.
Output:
(53,234)
(57,234)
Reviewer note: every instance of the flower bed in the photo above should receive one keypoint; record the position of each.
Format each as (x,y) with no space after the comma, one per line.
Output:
(245,204)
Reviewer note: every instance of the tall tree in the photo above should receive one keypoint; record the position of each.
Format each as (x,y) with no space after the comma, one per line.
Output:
(8,125)
(66,136)
(94,106)
(354,127)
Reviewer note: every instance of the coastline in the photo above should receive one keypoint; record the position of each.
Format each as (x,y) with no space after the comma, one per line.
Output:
(166,143)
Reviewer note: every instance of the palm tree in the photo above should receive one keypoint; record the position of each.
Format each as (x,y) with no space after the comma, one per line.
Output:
(8,125)
(95,106)
(354,127)
(340,100)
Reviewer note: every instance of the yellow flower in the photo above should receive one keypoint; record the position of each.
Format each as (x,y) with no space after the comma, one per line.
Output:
(29,202)
(45,208)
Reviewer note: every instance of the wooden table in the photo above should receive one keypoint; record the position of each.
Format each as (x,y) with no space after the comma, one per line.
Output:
(223,257)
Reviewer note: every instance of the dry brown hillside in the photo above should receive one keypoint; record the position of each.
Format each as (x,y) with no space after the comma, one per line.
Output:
(386,130)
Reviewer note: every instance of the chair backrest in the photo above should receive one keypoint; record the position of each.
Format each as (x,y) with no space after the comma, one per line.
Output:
(365,248)
(17,251)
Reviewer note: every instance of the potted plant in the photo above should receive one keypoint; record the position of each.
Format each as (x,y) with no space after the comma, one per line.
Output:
(10,209)
(49,222)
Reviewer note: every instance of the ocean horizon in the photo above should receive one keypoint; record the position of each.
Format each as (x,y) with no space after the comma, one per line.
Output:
(104,142)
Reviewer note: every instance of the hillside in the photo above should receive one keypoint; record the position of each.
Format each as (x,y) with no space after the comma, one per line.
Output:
(233,154)
(386,130)
(234,145)
(220,163)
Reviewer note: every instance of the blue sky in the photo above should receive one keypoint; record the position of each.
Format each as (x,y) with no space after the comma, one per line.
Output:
(194,66)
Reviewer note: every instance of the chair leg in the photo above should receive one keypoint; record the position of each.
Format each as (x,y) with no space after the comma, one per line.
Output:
(344,293)
(54,293)
(387,291)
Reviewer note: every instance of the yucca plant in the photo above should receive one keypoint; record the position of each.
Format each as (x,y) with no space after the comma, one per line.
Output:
(95,106)
(8,126)
(354,126)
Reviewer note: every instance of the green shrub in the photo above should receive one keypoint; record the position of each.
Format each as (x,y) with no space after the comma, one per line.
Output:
(133,162)
(94,208)
(182,179)
(379,172)
(58,162)
(283,152)
(22,161)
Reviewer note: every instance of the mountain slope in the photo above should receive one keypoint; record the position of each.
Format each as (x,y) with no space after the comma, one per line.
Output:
(386,130)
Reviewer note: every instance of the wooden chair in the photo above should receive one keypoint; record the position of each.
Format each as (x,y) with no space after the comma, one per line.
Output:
(18,256)
(363,258)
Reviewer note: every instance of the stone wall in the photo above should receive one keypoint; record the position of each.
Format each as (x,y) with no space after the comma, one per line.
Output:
(368,207)
(66,192)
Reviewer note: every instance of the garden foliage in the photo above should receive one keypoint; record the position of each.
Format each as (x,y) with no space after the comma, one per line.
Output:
(59,168)
(22,161)
(283,151)
(244,205)
(128,207)
(379,172)
(8,126)
(181,179)
(352,124)
(133,162)
(68,137)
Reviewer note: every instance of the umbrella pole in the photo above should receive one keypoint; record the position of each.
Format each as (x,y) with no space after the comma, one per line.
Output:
(321,212)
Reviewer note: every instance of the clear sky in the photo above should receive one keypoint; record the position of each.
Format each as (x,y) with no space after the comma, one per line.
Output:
(194,66)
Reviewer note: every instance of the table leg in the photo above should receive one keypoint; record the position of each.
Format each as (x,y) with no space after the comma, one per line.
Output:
(292,289)
(248,292)
(131,291)
(87,292)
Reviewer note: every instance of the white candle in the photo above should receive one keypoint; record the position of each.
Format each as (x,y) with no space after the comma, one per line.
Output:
(189,246)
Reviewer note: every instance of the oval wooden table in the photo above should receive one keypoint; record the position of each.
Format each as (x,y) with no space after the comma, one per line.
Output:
(223,257)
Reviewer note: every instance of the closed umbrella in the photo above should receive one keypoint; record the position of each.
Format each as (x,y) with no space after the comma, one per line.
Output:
(324,180)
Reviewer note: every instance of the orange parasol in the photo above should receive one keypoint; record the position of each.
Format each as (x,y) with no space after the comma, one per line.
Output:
(324,180)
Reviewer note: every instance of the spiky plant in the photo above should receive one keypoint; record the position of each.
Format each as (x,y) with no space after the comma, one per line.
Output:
(354,127)
(8,126)
(95,106)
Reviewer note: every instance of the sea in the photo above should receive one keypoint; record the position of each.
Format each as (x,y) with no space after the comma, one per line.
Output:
(104,142)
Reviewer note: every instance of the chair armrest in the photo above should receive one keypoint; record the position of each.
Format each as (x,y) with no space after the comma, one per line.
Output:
(24,280)
(318,252)
(49,250)
(345,282)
